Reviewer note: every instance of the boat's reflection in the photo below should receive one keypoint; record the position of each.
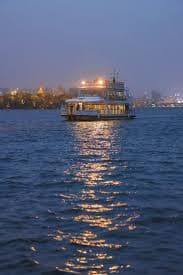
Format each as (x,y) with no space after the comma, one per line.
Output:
(102,210)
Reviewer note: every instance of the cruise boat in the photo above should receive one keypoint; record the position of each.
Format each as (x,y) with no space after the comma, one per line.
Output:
(100,99)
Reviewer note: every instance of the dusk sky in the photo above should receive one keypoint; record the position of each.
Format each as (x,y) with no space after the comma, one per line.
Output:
(53,42)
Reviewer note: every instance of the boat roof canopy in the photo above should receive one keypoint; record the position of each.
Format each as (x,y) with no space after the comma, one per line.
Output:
(85,99)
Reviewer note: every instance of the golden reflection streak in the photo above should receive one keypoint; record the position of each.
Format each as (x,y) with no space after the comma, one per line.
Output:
(95,208)
(95,138)
(88,238)
(98,208)
(96,143)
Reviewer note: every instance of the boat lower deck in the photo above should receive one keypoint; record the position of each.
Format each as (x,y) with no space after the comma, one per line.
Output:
(96,118)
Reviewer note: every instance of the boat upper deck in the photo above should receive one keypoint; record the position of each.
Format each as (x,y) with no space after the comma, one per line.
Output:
(96,100)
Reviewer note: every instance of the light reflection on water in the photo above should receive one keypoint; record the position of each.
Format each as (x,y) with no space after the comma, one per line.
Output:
(71,194)
(101,210)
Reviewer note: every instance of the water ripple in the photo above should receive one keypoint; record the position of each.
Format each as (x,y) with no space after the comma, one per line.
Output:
(91,197)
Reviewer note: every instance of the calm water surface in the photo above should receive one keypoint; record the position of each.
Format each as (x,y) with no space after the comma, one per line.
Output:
(91,197)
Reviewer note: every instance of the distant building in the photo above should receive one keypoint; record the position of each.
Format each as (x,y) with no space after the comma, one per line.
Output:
(4,90)
(13,92)
(40,91)
(178,97)
(155,96)
(168,100)
(141,102)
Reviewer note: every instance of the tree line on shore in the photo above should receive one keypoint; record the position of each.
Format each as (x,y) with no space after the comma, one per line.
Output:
(28,100)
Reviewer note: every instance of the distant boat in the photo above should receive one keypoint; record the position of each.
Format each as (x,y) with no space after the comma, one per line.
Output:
(100,99)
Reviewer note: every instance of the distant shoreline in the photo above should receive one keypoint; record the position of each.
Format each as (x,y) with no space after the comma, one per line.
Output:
(57,108)
(31,101)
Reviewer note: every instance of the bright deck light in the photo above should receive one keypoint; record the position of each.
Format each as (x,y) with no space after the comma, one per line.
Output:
(101,82)
(83,82)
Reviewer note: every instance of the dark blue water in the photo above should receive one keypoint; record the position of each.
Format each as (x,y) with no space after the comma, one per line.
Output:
(91,197)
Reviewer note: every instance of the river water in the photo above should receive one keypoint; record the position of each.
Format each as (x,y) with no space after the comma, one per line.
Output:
(91,197)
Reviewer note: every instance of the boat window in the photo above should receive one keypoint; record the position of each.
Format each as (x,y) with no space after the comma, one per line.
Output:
(126,108)
(79,106)
(71,108)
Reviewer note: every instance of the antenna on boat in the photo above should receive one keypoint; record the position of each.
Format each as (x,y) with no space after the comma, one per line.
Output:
(117,76)
(113,76)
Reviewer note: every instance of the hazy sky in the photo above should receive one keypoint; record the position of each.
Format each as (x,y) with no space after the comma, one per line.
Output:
(52,42)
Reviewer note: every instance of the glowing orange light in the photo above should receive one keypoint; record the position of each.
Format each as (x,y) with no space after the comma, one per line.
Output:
(101,82)
(83,82)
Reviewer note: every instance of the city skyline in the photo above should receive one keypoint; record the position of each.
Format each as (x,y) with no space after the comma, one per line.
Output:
(47,43)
